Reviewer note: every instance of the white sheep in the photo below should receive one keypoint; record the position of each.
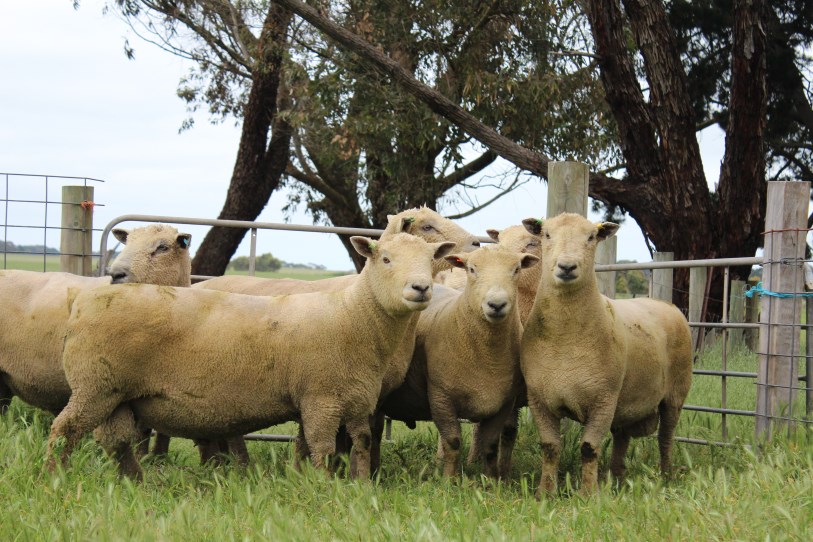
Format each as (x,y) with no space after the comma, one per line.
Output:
(35,311)
(466,360)
(615,366)
(208,364)
(422,222)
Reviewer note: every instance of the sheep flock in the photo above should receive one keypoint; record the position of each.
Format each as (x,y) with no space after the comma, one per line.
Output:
(434,328)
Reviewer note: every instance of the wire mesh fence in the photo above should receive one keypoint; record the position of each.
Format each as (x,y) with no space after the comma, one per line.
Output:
(33,213)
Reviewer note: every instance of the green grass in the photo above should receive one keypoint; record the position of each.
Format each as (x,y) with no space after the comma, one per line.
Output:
(29,262)
(717,494)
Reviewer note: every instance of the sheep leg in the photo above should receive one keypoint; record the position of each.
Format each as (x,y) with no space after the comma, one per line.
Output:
(621,442)
(301,449)
(79,417)
(320,425)
(377,422)
(475,452)
(5,396)
(344,446)
(161,445)
(237,447)
(550,438)
(508,440)
(669,416)
(117,434)
(598,424)
(359,431)
(489,437)
(446,419)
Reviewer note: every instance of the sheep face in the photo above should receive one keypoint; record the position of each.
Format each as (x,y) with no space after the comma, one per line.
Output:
(427,224)
(492,275)
(518,239)
(155,254)
(400,269)
(568,243)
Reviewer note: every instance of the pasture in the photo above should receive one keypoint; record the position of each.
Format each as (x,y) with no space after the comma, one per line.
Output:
(717,493)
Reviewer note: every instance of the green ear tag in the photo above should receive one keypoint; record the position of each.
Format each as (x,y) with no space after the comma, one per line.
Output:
(373,245)
(409,219)
(539,221)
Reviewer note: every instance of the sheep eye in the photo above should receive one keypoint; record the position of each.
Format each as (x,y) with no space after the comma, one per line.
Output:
(471,270)
(592,237)
(427,227)
(385,259)
(547,235)
(161,248)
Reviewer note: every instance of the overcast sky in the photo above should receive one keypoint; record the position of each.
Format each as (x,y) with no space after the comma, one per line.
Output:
(72,104)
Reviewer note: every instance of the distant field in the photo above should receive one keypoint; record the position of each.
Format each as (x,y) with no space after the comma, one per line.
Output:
(29,262)
(301,274)
(34,262)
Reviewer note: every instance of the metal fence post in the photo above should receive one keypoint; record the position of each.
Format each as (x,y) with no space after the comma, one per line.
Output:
(779,334)
(77,230)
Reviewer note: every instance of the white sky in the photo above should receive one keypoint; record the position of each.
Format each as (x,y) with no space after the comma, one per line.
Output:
(72,104)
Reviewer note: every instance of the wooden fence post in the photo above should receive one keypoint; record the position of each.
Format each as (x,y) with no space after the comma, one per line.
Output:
(697,293)
(779,333)
(567,188)
(77,231)
(662,279)
(736,312)
(606,255)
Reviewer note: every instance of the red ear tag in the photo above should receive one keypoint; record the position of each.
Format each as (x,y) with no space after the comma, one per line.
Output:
(458,260)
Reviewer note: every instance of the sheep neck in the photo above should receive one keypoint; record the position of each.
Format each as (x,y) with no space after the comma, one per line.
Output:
(484,336)
(562,308)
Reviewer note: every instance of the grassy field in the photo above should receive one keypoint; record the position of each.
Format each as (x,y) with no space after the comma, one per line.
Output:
(32,262)
(718,493)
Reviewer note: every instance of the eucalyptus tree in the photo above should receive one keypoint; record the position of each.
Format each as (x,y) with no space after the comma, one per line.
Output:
(345,142)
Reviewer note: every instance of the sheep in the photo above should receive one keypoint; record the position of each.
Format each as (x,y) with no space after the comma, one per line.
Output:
(518,239)
(35,311)
(620,366)
(208,364)
(422,222)
(466,360)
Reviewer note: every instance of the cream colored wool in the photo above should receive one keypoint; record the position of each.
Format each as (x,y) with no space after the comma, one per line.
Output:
(615,366)
(421,222)
(466,360)
(35,309)
(208,364)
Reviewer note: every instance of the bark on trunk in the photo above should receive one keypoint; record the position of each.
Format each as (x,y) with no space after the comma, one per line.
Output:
(260,164)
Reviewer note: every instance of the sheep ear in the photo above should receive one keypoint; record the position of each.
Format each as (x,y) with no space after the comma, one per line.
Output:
(442,249)
(456,260)
(184,240)
(364,245)
(121,235)
(494,234)
(528,260)
(606,230)
(533,225)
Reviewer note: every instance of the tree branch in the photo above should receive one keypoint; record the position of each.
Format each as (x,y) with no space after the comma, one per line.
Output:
(464,172)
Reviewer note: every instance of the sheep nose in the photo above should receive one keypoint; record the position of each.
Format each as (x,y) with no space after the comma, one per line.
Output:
(421,288)
(567,267)
(497,307)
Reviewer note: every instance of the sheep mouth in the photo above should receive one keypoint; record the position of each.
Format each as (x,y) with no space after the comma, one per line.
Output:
(495,317)
(417,304)
(566,277)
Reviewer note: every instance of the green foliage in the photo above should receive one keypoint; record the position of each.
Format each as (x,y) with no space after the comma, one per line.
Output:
(263,262)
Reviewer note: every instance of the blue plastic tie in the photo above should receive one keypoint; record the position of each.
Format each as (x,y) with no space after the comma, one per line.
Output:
(758,289)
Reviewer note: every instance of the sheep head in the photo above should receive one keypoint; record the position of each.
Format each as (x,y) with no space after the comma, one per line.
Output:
(492,275)
(399,269)
(568,244)
(155,254)
(427,224)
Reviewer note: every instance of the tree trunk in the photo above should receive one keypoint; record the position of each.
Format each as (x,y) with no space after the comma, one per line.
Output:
(260,164)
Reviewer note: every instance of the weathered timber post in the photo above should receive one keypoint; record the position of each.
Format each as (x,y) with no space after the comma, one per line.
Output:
(809,358)
(779,333)
(662,279)
(606,255)
(736,312)
(567,188)
(697,294)
(77,231)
